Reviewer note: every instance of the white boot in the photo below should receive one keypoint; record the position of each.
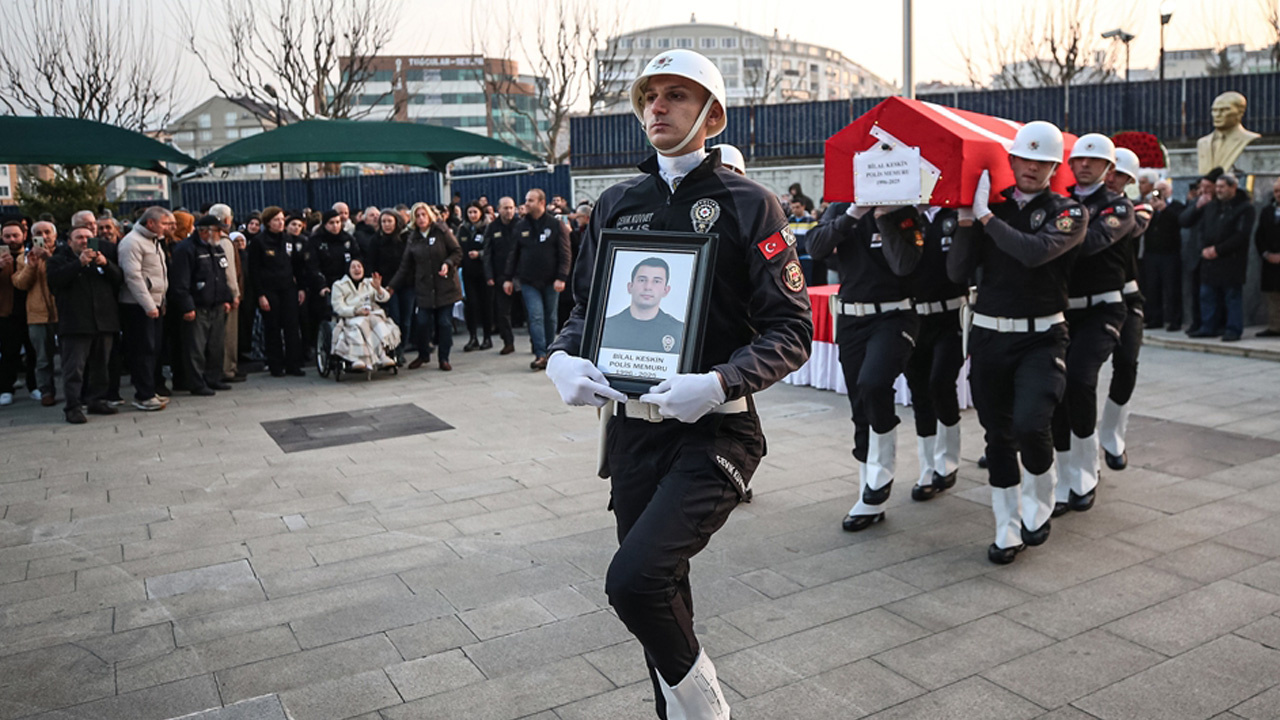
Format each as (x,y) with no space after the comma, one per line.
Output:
(1004,505)
(1037,502)
(1062,466)
(879,468)
(946,450)
(1084,460)
(698,695)
(1112,427)
(925,449)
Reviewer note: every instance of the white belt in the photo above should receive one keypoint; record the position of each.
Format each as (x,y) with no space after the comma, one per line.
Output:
(864,309)
(1005,325)
(1079,303)
(637,410)
(933,308)
(1130,288)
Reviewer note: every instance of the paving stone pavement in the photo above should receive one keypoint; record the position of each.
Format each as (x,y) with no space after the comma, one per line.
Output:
(172,564)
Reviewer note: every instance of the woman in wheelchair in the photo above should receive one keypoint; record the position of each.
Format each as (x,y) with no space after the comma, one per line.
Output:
(363,335)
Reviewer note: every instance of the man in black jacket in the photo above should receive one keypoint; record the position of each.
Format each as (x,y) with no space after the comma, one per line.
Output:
(85,284)
(540,260)
(499,239)
(198,291)
(1267,240)
(1224,225)
(1162,261)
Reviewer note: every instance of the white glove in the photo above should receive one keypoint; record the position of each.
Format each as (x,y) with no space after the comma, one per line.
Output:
(980,207)
(965,213)
(579,382)
(686,397)
(856,212)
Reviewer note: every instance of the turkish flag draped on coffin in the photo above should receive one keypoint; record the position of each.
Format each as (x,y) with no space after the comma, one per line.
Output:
(959,143)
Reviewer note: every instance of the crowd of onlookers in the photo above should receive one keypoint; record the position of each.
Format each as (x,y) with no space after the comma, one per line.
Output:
(206,296)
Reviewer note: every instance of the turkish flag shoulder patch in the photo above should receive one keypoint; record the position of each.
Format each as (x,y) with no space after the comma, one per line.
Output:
(773,245)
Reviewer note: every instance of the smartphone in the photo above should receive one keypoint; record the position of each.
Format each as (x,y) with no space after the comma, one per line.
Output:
(4,250)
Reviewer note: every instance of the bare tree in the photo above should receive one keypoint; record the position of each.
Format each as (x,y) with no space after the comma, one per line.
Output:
(317,54)
(1271,12)
(1050,45)
(761,75)
(85,59)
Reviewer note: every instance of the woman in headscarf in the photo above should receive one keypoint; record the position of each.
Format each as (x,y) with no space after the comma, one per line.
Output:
(430,266)
(386,250)
(363,335)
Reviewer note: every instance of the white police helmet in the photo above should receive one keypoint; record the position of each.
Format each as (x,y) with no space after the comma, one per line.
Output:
(731,157)
(1038,140)
(695,67)
(1127,162)
(1094,145)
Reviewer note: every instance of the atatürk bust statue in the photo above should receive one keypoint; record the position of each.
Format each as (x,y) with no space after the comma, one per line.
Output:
(1223,146)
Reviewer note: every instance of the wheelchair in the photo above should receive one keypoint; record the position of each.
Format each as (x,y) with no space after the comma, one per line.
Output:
(329,362)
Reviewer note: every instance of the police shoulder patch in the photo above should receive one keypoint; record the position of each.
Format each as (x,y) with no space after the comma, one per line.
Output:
(793,276)
(1121,209)
(1037,219)
(1065,223)
(1112,221)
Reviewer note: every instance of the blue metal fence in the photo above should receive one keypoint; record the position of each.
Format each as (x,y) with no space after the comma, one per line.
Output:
(361,191)
(1175,110)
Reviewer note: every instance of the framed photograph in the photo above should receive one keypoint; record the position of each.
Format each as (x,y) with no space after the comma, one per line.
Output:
(648,304)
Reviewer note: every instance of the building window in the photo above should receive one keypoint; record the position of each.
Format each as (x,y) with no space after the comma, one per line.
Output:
(685,43)
(624,43)
(249,131)
(729,43)
(184,137)
(206,136)
(813,68)
(382,76)
(644,43)
(205,120)
(749,43)
(233,134)
(708,43)
(664,43)
(230,119)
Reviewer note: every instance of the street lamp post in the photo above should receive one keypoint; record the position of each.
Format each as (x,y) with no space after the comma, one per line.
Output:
(1166,14)
(1126,38)
(279,122)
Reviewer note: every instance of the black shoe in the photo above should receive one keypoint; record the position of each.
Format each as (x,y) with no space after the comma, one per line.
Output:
(944,482)
(296,372)
(1268,333)
(75,416)
(982,462)
(1174,327)
(1193,329)
(920,493)
(1116,462)
(237,378)
(277,373)
(1036,537)
(1003,556)
(1231,337)
(203,392)
(877,497)
(101,408)
(1202,333)
(1060,509)
(471,345)
(219,386)
(507,349)
(1081,503)
(857,523)
(487,344)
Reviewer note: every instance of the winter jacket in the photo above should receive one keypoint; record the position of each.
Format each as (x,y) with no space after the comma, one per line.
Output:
(385,254)
(330,256)
(346,297)
(1266,239)
(1225,226)
(85,294)
(198,276)
(471,239)
(274,270)
(423,257)
(542,253)
(499,240)
(146,272)
(32,278)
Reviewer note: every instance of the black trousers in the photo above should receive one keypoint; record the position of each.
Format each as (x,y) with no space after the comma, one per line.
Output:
(81,353)
(478,305)
(1095,332)
(673,486)
(244,330)
(502,314)
(281,333)
(1124,361)
(932,372)
(13,337)
(874,351)
(143,337)
(1017,380)
(1162,285)
(202,342)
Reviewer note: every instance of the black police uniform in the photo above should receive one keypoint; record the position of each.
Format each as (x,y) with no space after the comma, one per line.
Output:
(875,328)
(328,258)
(1096,314)
(499,239)
(938,357)
(274,273)
(1017,348)
(1124,360)
(660,334)
(674,484)
(478,293)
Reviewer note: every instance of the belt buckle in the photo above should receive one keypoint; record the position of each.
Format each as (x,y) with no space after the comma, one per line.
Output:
(1004,324)
(643,411)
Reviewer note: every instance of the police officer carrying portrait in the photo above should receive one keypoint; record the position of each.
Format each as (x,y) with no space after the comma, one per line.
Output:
(1096,313)
(1023,246)
(875,330)
(643,325)
(1114,421)
(681,457)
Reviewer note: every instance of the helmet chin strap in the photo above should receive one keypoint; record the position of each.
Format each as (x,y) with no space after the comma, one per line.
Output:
(702,117)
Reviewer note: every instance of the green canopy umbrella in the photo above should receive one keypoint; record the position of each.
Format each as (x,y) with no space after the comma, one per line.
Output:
(70,141)
(337,141)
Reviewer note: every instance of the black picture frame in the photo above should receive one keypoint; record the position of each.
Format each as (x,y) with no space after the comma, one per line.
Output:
(624,246)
